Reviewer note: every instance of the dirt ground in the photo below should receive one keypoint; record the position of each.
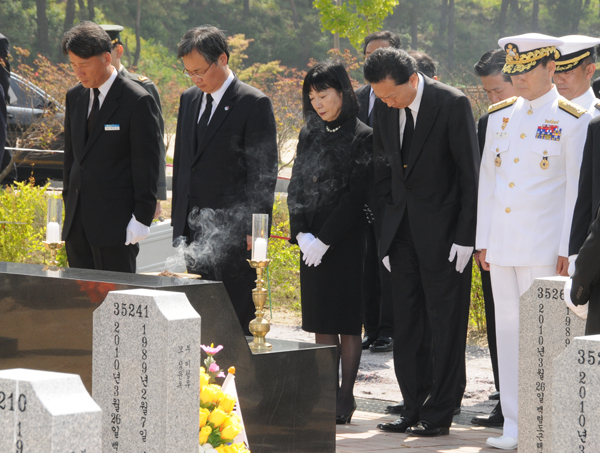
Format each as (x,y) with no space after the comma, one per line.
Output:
(376,377)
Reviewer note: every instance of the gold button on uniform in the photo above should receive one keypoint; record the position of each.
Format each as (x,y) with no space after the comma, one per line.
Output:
(507,210)
(516,160)
(530,112)
(497,150)
(511,185)
(523,135)
(545,153)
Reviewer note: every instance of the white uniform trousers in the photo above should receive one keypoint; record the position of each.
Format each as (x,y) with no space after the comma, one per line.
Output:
(508,283)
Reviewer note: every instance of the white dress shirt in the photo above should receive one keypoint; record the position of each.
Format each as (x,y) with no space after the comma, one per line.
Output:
(103,90)
(588,101)
(217,96)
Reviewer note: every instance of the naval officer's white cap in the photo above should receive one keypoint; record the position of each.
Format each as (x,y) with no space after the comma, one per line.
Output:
(574,51)
(524,52)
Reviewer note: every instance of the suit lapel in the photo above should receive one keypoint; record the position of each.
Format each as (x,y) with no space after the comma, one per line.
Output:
(221,112)
(428,111)
(79,121)
(110,104)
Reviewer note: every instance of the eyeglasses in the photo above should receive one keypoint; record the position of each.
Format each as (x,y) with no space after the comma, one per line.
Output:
(195,73)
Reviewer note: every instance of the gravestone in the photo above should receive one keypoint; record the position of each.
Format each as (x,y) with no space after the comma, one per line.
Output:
(577,397)
(546,328)
(47,412)
(145,372)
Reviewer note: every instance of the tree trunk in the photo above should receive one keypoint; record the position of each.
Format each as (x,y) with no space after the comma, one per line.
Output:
(514,6)
(69,15)
(91,12)
(414,22)
(535,12)
(450,36)
(42,26)
(82,10)
(502,19)
(294,14)
(246,6)
(444,18)
(577,6)
(336,36)
(138,41)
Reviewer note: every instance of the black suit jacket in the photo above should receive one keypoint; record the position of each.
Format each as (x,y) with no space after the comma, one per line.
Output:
(596,87)
(3,121)
(113,174)
(438,188)
(586,277)
(235,165)
(4,66)
(362,95)
(588,195)
(481,128)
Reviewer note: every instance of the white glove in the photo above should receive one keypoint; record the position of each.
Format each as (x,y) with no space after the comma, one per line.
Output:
(579,310)
(304,240)
(136,231)
(571,270)
(386,263)
(462,254)
(315,252)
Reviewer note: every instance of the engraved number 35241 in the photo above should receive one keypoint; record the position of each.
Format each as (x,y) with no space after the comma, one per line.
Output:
(131,310)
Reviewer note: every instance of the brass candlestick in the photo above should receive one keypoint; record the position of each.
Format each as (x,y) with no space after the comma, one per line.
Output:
(54,247)
(259,327)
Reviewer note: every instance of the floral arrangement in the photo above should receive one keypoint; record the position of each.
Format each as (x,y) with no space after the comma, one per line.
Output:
(219,425)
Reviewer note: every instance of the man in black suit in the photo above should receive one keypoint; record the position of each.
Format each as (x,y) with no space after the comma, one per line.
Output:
(114,31)
(224,168)
(4,66)
(498,87)
(426,156)
(377,308)
(112,146)
(3,119)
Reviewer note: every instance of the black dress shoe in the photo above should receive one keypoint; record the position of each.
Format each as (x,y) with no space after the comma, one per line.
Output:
(427,429)
(494,396)
(395,409)
(367,341)
(495,419)
(382,344)
(399,426)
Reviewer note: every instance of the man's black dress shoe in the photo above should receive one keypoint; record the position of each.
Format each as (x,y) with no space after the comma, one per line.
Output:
(367,341)
(382,344)
(495,419)
(399,426)
(395,409)
(427,429)
(494,396)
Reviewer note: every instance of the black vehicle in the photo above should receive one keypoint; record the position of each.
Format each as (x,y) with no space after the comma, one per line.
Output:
(31,108)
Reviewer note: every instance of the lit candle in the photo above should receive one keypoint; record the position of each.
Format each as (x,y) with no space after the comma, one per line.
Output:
(53,233)
(259,250)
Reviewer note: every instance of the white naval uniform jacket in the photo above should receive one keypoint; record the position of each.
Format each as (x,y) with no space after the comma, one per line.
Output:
(588,101)
(528,180)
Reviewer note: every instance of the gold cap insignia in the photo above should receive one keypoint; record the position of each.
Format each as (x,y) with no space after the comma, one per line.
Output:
(519,63)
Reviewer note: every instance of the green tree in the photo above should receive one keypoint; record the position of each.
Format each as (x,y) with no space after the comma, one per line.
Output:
(354,19)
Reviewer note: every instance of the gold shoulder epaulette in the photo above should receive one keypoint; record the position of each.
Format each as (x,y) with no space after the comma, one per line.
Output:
(571,108)
(502,104)
(142,78)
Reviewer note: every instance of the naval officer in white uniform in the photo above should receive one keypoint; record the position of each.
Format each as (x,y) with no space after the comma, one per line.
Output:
(527,190)
(574,71)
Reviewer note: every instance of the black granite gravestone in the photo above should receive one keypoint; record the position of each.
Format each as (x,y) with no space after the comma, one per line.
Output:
(287,395)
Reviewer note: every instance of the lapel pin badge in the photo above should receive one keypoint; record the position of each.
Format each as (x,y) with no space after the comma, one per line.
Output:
(226,107)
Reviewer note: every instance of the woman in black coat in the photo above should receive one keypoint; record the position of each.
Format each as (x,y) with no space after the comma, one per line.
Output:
(326,196)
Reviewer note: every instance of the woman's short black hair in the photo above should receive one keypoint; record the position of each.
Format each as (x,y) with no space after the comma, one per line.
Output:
(208,41)
(330,74)
(491,64)
(86,40)
(391,63)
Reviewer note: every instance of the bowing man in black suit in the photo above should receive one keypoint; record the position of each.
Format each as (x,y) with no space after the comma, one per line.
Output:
(224,168)
(426,159)
(377,303)
(112,146)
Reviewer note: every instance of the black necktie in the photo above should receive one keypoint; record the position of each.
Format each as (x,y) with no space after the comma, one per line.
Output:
(409,129)
(203,123)
(94,111)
